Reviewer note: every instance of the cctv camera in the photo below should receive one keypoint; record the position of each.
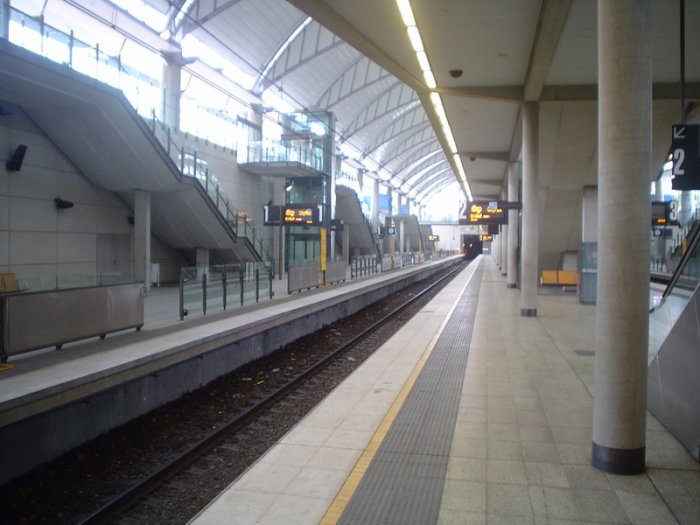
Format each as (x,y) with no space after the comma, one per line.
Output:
(455,73)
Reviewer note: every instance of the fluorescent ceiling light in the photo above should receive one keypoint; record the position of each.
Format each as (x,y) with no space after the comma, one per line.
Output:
(406,12)
(423,61)
(429,79)
(414,37)
(417,44)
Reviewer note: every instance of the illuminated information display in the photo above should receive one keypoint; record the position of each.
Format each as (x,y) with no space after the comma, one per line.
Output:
(484,213)
(486,238)
(433,238)
(306,216)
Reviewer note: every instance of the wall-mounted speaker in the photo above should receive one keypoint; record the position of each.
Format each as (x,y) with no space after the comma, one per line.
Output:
(62,204)
(14,163)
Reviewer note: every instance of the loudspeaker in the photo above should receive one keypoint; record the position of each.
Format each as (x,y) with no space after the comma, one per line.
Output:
(14,163)
(61,204)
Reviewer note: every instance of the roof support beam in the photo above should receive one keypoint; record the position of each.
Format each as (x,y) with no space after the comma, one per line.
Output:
(502,156)
(329,18)
(553,15)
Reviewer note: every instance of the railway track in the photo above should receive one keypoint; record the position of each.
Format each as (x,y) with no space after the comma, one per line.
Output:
(290,385)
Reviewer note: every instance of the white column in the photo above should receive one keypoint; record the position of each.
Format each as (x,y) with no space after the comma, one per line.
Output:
(531,211)
(513,227)
(279,196)
(346,243)
(686,217)
(142,237)
(589,219)
(172,89)
(5,19)
(624,172)
(375,203)
(660,242)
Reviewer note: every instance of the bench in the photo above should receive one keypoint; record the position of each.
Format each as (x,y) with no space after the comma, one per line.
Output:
(559,278)
(8,282)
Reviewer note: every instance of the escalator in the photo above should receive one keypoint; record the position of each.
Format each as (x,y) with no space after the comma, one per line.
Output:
(674,351)
(112,146)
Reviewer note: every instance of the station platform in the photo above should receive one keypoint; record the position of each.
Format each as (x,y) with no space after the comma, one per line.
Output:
(471,413)
(52,401)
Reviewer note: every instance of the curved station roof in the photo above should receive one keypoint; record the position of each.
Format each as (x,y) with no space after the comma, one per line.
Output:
(426,94)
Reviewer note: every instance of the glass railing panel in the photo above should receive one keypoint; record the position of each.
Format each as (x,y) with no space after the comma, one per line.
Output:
(44,40)
(215,292)
(667,308)
(58,282)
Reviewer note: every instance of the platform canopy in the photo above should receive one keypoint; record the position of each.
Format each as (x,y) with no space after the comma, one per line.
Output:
(445,118)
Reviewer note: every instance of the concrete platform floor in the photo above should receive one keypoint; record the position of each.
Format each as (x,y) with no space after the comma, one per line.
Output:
(522,443)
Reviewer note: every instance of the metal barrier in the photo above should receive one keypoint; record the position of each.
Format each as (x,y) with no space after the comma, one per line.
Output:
(336,272)
(303,276)
(218,289)
(362,266)
(33,320)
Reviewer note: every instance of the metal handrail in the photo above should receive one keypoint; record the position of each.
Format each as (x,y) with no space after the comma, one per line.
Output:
(189,165)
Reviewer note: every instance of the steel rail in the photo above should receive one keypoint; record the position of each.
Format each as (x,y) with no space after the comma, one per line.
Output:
(144,487)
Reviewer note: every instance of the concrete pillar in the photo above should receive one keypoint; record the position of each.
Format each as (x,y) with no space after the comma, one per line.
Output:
(279,196)
(589,218)
(202,261)
(142,237)
(402,236)
(513,227)
(501,239)
(170,113)
(375,203)
(5,19)
(494,251)
(346,243)
(624,171)
(531,211)
(659,242)
(686,216)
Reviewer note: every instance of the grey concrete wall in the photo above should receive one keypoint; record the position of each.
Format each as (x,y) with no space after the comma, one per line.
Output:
(38,242)
(43,245)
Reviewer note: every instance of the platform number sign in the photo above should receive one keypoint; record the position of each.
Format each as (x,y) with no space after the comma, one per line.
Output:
(684,156)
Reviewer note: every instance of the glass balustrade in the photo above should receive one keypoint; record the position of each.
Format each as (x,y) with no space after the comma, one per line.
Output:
(190,164)
(666,309)
(217,288)
(273,152)
(142,92)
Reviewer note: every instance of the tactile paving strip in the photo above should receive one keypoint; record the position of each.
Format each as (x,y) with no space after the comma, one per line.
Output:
(403,484)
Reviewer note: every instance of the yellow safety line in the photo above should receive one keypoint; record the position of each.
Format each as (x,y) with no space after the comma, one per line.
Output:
(6,366)
(337,507)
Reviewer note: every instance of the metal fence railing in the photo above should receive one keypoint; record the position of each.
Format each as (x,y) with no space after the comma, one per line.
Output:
(203,290)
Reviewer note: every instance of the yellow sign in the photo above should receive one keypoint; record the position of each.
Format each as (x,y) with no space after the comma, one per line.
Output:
(323,250)
(486,238)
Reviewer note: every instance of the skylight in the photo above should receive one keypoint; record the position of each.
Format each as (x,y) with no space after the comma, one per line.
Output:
(147,14)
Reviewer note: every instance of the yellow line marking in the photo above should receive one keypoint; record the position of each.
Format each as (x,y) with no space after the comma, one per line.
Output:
(337,507)
(6,366)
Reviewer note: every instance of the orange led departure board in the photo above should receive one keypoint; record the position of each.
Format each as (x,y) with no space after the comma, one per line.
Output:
(299,216)
(484,212)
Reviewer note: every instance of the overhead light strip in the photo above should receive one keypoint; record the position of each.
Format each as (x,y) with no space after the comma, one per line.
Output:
(417,43)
